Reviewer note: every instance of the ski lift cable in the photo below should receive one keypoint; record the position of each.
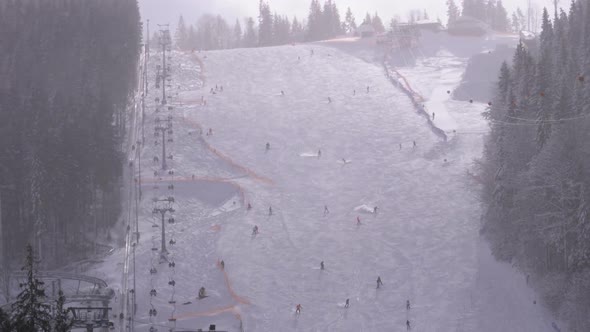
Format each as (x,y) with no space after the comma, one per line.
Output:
(535,122)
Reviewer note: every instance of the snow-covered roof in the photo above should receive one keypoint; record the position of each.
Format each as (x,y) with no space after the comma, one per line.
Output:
(466,25)
(365,28)
(527,35)
(426,22)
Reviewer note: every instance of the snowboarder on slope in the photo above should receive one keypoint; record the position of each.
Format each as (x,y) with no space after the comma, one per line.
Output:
(298,307)
(347,304)
(379,282)
(202,293)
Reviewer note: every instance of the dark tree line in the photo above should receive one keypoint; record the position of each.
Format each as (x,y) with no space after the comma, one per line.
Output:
(268,29)
(32,312)
(491,12)
(537,162)
(67,71)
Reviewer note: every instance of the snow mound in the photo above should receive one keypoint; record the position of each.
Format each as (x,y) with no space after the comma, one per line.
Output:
(308,155)
(364,209)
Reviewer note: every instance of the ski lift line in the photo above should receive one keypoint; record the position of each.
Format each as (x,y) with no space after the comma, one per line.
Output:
(535,124)
(549,120)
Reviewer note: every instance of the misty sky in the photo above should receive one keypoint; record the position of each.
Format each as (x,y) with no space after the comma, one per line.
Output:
(167,11)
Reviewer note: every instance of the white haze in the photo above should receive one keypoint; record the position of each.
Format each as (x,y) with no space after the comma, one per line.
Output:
(167,11)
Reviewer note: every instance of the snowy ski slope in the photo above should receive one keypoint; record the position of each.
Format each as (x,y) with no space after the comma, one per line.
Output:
(423,242)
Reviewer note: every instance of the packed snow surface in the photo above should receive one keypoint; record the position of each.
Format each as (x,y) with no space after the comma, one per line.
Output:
(423,241)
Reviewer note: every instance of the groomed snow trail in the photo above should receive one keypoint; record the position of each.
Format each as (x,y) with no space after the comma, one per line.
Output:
(500,299)
(423,240)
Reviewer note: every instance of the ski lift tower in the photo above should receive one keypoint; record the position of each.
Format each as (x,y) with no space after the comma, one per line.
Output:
(166,44)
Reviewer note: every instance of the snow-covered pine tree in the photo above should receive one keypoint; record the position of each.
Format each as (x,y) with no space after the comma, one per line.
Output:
(265,24)
(29,312)
(181,35)
(250,37)
(349,22)
(378,24)
(544,89)
(5,324)
(453,12)
(237,34)
(314,21)
(62,321)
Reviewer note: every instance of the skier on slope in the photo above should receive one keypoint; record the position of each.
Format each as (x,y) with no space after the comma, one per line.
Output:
(379,282)
(415,145)
(375,210)
(298,307)
(433,115)
(407,304)
(267,146)
(326,211)
(319,153)
(255,230)
(321,265)
(270,210)
(249,206)
(358,220)
(329,100)
(408,327)
(347,304)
